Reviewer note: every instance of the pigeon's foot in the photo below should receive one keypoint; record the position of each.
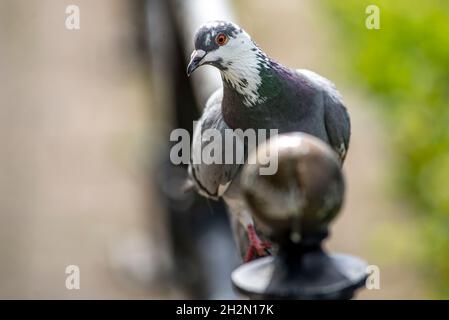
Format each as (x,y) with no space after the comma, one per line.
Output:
(256,248)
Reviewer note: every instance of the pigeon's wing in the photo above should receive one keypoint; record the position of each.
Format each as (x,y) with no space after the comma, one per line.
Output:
(336,117)
(338,126)
(212,180)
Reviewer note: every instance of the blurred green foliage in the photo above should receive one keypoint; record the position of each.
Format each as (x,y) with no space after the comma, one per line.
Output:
(406,64)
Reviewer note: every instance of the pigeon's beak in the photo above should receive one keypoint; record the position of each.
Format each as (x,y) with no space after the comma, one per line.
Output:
(195,59)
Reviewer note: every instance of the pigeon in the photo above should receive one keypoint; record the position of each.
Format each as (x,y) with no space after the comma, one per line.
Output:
(257,93)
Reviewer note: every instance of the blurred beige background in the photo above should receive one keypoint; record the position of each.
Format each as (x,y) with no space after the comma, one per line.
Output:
(76,123)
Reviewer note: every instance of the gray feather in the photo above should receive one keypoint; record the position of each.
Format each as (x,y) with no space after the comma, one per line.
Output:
(211,180)
(336,117)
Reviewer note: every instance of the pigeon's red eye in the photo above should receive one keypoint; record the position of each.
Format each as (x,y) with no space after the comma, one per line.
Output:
(221,39)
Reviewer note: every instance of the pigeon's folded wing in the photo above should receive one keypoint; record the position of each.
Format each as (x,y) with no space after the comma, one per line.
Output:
(338,126)
(336,117)
(212,180)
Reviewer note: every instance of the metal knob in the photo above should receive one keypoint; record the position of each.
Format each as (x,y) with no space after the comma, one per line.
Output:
(294,207)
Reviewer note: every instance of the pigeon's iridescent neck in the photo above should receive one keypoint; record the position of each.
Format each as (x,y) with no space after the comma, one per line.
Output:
(237,114)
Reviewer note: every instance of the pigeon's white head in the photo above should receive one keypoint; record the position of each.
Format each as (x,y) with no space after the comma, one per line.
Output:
(229,48)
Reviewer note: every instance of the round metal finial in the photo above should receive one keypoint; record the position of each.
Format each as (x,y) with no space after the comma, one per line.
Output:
(305,193)
(294,207)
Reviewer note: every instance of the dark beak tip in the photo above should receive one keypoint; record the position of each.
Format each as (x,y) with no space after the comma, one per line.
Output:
(192,67)
(195,61)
